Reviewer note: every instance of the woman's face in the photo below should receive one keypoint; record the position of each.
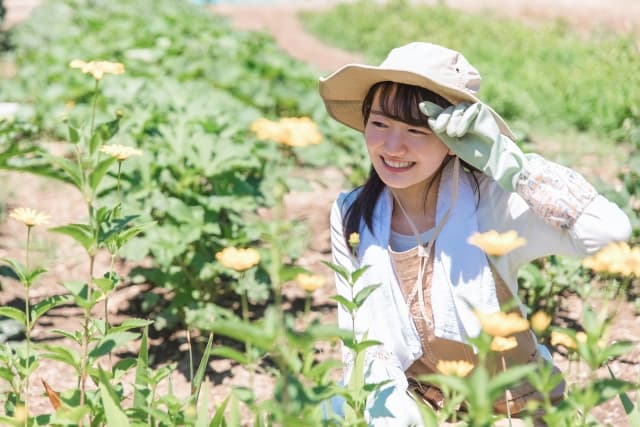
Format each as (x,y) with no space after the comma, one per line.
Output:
(405,156)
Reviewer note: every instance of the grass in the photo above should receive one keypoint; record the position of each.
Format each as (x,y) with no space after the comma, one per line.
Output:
(544,80)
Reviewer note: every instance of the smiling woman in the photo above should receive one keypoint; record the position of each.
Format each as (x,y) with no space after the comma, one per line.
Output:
(445,167)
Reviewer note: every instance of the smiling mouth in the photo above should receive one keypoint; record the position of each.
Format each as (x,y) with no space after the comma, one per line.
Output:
(397,164)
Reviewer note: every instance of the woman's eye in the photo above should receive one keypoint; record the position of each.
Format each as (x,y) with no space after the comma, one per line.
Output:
(419,132)
(378,124)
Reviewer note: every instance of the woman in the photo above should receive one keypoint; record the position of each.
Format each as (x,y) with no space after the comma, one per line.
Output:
(444,166)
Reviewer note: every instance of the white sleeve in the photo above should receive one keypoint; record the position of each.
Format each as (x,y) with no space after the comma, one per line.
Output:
(391,405)
(556,210)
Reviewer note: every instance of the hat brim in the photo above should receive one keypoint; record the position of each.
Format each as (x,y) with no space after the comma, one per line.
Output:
(343,92)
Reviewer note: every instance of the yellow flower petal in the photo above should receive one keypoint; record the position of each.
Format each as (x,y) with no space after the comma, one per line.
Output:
(502,344)
(354,240)
(458,368)
(97,68)
(502,324)
(615,258)
(120,152)
(291,131)
(310,282)
(540,321)
(496,244)
(560,338)
(238,259)
(29,217)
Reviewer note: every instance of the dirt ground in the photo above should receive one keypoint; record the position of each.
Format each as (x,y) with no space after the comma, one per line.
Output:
(66,260)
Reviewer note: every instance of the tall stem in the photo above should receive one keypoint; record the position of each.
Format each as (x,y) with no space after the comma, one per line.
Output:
(118,182)
(506,396)
(248,348)
(27,313)
(274,276)
(86,336)
(95,102)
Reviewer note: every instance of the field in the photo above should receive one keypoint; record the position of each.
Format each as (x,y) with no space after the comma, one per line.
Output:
(192,89)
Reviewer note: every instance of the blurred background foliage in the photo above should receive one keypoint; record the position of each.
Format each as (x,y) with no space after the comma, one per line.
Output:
(193,86)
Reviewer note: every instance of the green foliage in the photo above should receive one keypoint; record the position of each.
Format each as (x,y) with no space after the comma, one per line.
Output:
(544,76)
(191,89)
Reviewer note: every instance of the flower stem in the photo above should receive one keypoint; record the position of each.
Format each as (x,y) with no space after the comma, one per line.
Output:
(95,102)
(86,337)
(190,358)
(27,313)
(506,396)
(248,348)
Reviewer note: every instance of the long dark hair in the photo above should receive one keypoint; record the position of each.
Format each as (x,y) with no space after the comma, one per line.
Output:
(398,101)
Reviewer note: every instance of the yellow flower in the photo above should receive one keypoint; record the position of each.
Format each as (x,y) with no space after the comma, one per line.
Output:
(501,344)
(30,217)
(291,131)
(238,259)
(310,282)
(98,68)
(560,338)
(458,368)
(615,258)
(540,321)
(497,244)
(502,324)
(120,152)
(354,240)
(20,414)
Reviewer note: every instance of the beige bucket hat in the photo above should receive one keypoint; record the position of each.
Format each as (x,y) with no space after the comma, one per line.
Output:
(439,69)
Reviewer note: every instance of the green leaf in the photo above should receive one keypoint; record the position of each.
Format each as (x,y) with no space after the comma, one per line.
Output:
(362,295)
(74,135)
(509,378)
(122,366)
(197,379)
(18,268)
(40,308)
(81,233)
(34,274)
(454,383)
(355,276)
(106,284)
(111,341)
(108,129)
(141,378)
(15,314)
(343,272)
(348,305)
(360,346)
(96,175)
(131,323)
(112,411)
(203,413)
(80,294)
(629,408)
(63,354)
(94,142)
(230,353)
(245,332)
(72,171)
(218,417)
(7,374)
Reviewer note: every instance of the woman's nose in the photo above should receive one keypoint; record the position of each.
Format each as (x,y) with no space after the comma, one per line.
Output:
(394,143)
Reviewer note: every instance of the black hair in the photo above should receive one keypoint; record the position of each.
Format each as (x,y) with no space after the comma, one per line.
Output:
(400,102)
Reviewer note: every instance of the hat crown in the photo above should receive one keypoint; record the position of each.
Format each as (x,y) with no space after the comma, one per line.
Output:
(442,65)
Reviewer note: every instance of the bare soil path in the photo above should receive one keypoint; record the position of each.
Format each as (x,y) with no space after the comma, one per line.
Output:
(66,261)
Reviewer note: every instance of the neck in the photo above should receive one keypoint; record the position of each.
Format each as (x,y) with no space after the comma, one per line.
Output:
(419,203)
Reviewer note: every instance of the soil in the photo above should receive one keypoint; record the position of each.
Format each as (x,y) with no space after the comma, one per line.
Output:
(66,261)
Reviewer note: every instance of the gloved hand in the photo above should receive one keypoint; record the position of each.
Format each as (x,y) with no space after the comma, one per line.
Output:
(471,132)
